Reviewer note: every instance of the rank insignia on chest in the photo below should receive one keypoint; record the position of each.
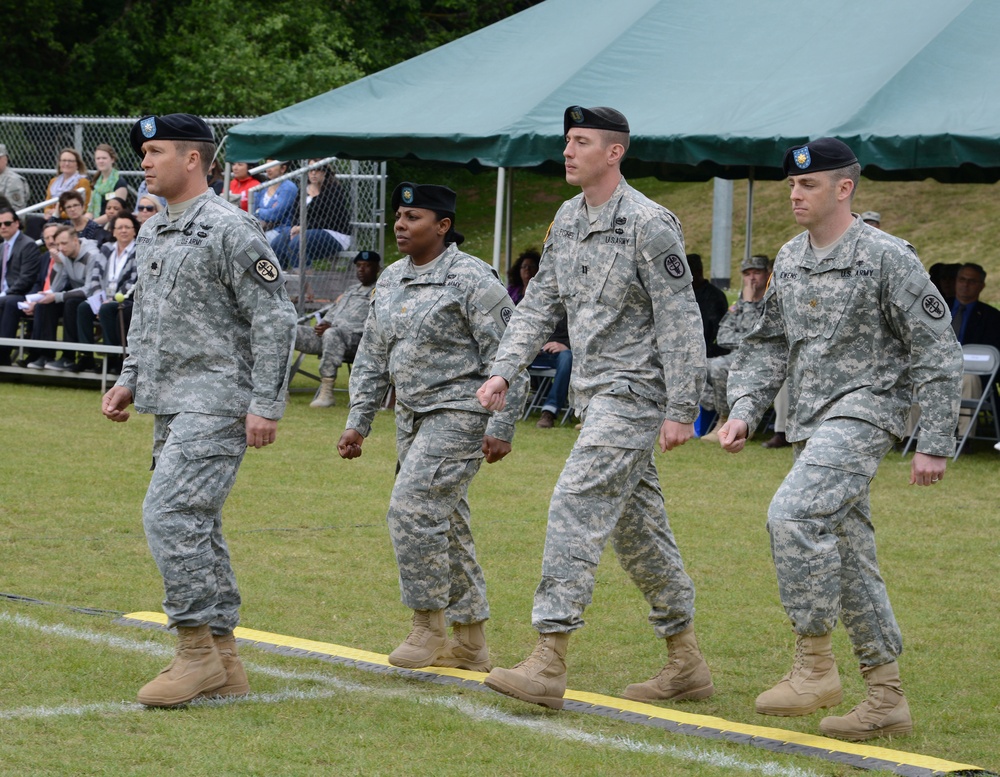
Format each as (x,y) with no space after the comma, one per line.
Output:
(154,268)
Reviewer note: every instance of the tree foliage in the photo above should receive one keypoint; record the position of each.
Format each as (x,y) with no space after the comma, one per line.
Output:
(218,57)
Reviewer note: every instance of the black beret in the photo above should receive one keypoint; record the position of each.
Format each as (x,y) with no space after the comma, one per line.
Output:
(423,195)
(818,155)
(173,126)
(368,256)
(594,118)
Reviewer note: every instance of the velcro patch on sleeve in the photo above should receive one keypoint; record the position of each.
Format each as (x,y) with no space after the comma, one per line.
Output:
(258,260)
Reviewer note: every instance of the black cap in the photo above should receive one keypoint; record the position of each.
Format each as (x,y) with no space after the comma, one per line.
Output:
(439,199)
(423,195)
(818,155)
(594,118)
(173,126)
(368,256)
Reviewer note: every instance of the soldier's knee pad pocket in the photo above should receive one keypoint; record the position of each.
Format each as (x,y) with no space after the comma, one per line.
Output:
(185,575)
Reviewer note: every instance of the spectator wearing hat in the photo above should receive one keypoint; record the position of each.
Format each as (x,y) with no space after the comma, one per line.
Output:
(713,304)
(435,322)
(872,218)
(12,185)
(614,264)
(209,353)
(335,338)
(741,317)
(855,324)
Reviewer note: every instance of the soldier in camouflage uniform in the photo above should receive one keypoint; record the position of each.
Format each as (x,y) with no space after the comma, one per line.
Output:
(337,335)
(853,321)
(435,322)
(210,345)
(739,320)
(614,264)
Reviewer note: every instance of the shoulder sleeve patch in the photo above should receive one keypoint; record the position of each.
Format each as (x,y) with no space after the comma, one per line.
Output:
(258,260)
(665,255)
(919,298)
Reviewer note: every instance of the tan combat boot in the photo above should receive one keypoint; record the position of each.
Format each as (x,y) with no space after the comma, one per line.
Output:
(196,669)
(713,436)
(324,397)
(236,677)
(466,649)
(812,683)
(540,678)
(685,677)
(885,711)
(425,642)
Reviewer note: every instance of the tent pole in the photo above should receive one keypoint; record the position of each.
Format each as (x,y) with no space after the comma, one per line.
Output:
(722,233)
(509,221)
(498,219)
(746,253)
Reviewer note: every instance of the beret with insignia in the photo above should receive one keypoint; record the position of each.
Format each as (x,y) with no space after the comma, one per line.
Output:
(368,256)
(173,126)
(816,156)
(594,118)
(439,199)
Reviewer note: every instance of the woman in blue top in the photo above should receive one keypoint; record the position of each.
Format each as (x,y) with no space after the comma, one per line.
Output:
(276,205)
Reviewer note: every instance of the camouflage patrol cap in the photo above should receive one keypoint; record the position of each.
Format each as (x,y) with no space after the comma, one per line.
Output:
(816,156)
(871,215)
(594,118)
(755,262)
(173,126)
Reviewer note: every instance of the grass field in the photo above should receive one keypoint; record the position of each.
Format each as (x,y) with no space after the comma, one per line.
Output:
(314,561)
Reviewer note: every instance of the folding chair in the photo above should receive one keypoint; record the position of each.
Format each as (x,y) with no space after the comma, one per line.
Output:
(983,361)
(542,378)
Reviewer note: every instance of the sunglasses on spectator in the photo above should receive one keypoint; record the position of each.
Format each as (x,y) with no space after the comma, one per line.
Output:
(7,223)
(146,207)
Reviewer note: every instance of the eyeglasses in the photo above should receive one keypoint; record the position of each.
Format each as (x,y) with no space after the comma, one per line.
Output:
(7,223)
(145,207)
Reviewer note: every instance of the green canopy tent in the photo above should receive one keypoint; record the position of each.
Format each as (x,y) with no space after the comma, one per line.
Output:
(712,88)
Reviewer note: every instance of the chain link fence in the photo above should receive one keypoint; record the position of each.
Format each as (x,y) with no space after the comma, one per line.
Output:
(34,142)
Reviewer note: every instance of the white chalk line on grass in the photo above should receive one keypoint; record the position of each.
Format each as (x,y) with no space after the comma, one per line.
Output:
(488,713)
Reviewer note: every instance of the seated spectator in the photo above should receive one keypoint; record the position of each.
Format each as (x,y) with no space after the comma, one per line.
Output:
(72,204)
(872,218)
(712,303)
(215,177)
(143,191)
(146,207)
(328,221)
(77,275)
(113,208)
(13,187)
(241,182)
(114,295)
(557,355)
(275,205)
(19,264)
(522,271)
(943,277)
(741,317)
(336,336)
(106,183)
(72,175)
(46,275)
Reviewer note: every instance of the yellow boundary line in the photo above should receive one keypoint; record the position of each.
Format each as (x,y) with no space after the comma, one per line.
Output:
(824,744)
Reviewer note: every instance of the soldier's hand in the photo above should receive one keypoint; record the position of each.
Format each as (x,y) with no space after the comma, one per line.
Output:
(349,446)
(494,449)
(321,327)
(493,393)
(674,434)
(260,431)
(114,403)
(733,435)
(927,470)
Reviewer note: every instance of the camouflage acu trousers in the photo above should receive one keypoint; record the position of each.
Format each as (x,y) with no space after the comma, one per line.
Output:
(823,541)
(429,520)
(195,459)
(332,347)
(603,492)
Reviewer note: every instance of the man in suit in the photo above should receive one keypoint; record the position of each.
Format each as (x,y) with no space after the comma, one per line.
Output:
(975,323)
(20,260)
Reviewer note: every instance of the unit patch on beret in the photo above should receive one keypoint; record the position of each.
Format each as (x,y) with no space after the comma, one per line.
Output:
(148,127)
(802,158)
(407,195)
(576,114)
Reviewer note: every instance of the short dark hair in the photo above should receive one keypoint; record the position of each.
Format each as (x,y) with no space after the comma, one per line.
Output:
(977,268)
(694,262)
(72,194)
(12,212)
(130,217)
(206,151)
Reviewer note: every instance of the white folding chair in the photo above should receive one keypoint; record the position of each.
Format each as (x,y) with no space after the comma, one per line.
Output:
(542,377)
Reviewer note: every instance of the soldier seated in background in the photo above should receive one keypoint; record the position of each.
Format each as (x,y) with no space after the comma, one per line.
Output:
(336,336)
(735,325)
